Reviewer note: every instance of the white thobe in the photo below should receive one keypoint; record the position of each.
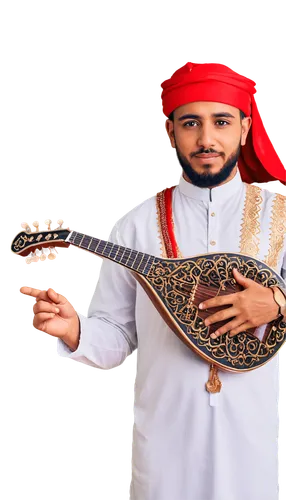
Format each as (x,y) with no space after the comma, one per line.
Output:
(187,444)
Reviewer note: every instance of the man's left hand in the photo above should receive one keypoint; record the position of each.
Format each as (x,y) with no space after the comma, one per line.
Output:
(252,307)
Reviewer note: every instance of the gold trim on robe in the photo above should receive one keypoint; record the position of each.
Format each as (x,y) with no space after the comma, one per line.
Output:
(277,231)
(250,227)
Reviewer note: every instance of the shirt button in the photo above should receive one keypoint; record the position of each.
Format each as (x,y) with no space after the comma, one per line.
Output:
(212,214)
(213,242)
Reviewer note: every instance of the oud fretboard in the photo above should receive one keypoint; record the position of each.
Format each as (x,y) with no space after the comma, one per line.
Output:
(137,261)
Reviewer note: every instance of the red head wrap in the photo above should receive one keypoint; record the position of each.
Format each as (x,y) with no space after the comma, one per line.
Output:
(258,161)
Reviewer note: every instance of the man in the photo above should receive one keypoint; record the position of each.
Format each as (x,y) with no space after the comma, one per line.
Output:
(191,444)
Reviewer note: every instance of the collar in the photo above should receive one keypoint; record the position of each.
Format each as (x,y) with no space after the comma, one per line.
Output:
(216,194)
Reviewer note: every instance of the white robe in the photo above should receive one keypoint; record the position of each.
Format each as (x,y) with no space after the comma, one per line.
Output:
(187,444)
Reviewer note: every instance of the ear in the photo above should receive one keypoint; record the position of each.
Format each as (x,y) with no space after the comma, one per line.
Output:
(170,131)
(245,127)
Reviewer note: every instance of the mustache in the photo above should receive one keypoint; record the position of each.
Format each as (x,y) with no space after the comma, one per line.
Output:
(205,151)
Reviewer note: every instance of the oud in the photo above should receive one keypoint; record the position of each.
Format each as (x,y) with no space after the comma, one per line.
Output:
(177,287)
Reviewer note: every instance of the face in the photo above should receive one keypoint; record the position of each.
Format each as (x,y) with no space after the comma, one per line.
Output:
(207,137)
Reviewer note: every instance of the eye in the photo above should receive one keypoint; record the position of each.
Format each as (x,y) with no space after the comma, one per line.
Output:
(221,121)
(189,123)
(192,123)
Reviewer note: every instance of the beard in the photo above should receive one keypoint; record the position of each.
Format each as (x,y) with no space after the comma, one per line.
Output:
(206,179)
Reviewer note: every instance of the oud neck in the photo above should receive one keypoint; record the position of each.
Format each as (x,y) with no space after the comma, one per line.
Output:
(136,261)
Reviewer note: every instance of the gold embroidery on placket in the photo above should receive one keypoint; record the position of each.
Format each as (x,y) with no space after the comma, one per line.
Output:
(277,231)
(250,227)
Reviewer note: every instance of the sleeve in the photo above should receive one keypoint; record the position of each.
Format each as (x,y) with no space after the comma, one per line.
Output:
(108,333)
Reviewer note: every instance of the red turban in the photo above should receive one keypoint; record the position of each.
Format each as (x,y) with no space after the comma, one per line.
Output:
(258,161)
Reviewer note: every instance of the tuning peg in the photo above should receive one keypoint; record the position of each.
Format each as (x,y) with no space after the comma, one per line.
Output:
(60,222)
(50,254)
(32,258)
(23,226)
(53,254)
(48,223)
(43,257)
(35,226)
(26,227)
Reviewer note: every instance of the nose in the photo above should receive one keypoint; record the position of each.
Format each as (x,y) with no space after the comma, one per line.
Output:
(205,137)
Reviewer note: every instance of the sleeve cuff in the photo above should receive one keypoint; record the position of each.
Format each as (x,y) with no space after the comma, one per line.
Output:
(64,350)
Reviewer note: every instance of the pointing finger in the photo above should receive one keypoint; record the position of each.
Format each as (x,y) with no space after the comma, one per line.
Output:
(49,295)
(34,292)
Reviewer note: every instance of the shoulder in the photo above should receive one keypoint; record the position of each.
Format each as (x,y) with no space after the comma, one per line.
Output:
(139,225)
(267,197)
(138,214)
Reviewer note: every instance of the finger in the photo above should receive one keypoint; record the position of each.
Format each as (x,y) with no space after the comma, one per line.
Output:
(242,328)
(230,312)
(222,300)
(50,295)
(43,306)
(41,319)
(34,292)
(56,297)
(235,323)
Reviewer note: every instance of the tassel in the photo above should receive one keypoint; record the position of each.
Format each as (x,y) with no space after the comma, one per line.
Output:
(214,384)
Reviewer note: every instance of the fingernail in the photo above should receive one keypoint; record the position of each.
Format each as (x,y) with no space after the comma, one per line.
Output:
(57,310)
(52,315)
(213,335)
(201,306)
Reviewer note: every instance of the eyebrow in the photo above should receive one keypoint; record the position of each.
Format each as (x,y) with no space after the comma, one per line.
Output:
(214,115)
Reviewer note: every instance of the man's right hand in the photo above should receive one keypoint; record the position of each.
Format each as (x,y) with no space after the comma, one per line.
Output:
(55,315)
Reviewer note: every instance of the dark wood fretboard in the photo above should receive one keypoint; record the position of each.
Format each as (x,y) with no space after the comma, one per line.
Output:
(137,261)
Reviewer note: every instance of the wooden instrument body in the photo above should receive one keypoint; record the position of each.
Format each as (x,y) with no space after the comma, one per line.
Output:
(177,286)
